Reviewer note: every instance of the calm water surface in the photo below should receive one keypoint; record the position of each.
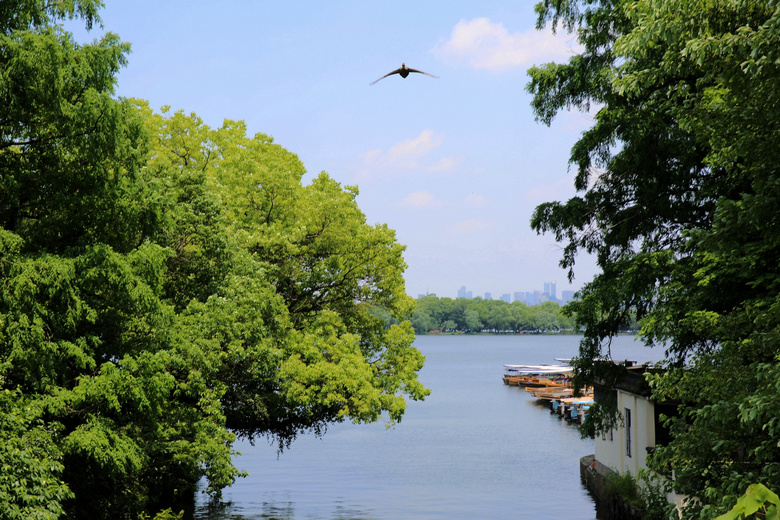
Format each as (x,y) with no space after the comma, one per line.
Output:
(475,448)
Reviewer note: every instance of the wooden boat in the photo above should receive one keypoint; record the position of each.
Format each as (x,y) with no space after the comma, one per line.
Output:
(550,393)
(512,379)
(537,375)
(547,382)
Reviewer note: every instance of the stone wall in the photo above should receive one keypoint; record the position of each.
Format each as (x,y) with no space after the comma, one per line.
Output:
(608,505)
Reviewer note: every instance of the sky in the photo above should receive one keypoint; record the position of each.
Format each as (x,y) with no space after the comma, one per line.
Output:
(454,164)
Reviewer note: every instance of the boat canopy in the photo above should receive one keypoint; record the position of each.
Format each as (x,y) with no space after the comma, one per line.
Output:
(539,369)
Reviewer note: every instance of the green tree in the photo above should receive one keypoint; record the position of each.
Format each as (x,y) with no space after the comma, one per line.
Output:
(296,317)
(545,317)
(85,341)
(449,326)
(520,316)
(678,197)
(422,322)
(165,286)
(482,308)
(500,317)
(458,312)
(473,322)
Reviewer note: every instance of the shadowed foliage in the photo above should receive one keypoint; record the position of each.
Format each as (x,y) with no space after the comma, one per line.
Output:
(678,191)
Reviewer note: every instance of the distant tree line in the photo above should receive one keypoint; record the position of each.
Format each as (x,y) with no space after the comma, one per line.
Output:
(478,315)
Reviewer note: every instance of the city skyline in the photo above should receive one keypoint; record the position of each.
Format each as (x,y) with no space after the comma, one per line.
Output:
(532,297)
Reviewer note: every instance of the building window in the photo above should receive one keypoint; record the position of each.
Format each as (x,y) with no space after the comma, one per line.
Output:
(628,432)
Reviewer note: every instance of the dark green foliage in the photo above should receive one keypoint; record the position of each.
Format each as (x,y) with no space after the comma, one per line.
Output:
(678,182)
(31,484)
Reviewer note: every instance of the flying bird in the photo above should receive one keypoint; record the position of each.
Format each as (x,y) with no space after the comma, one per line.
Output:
(403,71)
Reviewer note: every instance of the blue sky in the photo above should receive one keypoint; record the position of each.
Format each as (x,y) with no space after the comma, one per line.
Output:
(455,165)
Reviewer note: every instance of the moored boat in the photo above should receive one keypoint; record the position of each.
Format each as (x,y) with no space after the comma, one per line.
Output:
(537,375)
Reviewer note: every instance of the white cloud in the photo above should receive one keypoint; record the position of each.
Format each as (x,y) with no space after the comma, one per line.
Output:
(418,199)
(487,45)
(413,149)
(410,155)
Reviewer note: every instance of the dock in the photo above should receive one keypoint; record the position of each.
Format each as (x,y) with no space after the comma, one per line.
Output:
(552,384)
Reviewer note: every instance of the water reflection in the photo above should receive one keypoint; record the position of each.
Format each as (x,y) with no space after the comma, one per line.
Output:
(273,510)
(281,510)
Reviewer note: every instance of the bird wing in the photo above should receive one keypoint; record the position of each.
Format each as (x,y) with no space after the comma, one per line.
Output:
(396,71)
(421,72)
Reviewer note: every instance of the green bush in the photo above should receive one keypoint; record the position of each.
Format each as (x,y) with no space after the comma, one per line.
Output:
(625,486)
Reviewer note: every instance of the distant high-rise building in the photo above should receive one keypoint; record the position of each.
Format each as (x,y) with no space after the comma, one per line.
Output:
(533,298)
(566,296)
(520,297)
(463,293)
(506,297)
(550,289)
(488,296)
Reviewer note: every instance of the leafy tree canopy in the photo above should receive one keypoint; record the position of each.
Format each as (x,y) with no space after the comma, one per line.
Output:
(165,287)
(678,196)
(478,315)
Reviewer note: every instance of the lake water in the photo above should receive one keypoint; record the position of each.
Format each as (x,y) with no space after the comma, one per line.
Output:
(475,448)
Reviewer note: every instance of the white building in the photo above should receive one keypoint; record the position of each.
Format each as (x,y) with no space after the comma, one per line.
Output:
(625,448)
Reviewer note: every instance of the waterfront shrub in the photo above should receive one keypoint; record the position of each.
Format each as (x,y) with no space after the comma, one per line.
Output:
(166,514)
(624,485)
(644,492)
(653,492)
